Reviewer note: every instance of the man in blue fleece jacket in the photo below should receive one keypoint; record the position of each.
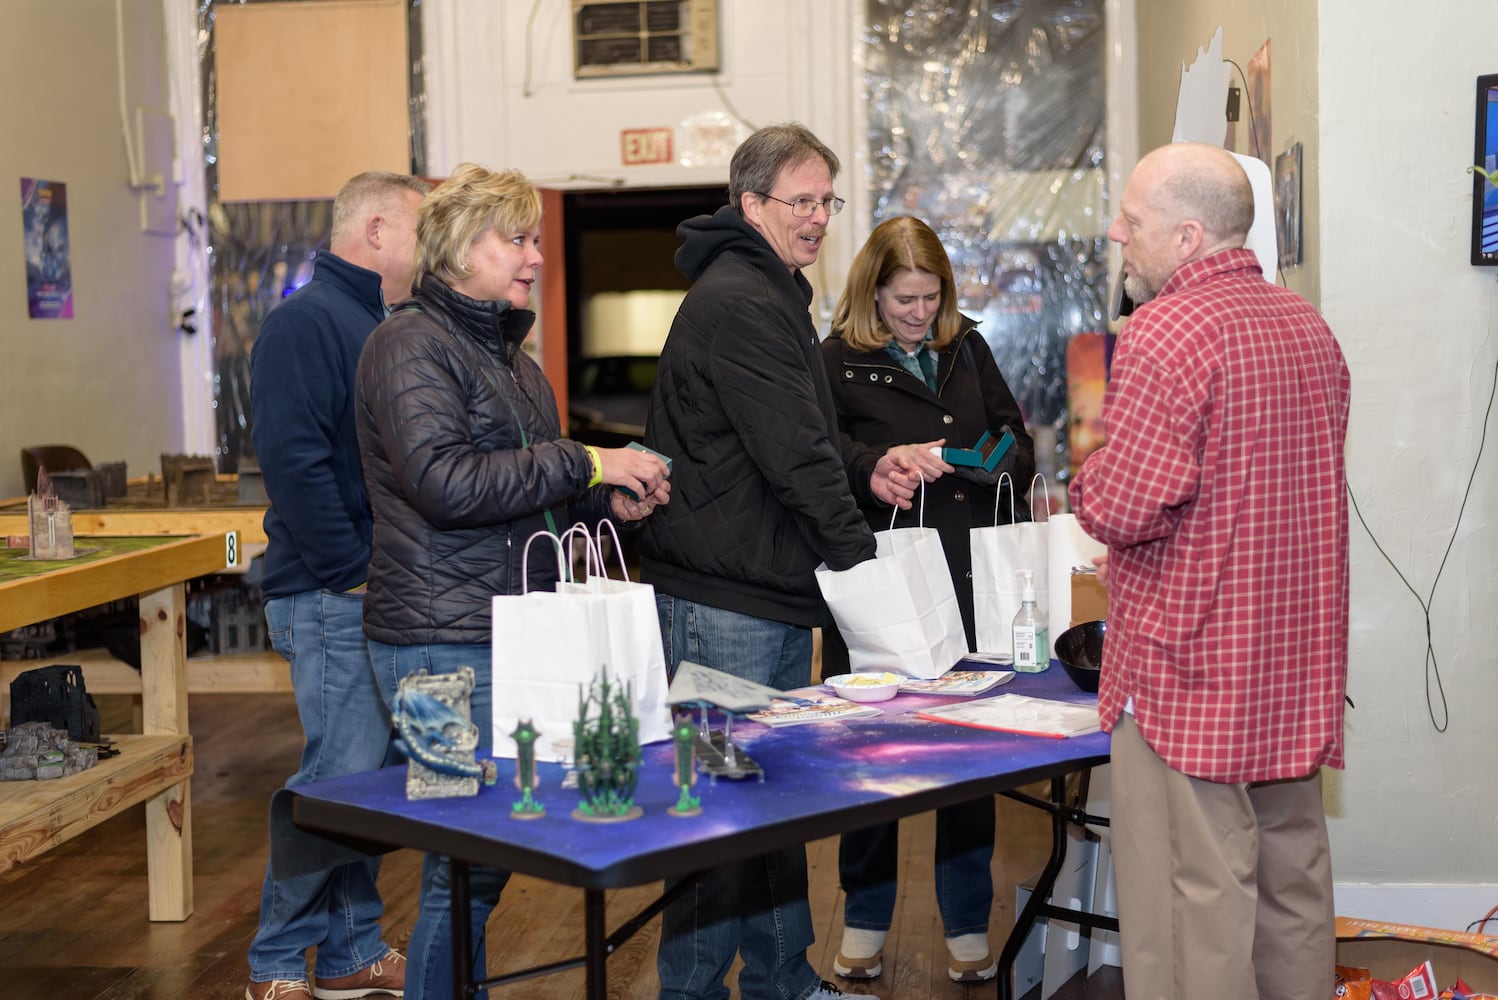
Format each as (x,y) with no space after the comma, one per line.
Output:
(319,524)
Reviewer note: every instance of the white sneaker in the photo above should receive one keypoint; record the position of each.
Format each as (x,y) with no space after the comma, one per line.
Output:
(827,991)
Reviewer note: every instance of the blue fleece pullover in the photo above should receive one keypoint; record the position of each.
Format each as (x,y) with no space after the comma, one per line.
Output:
(302,399)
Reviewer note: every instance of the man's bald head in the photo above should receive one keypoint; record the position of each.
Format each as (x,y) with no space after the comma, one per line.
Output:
(1192,180)
(1183,202)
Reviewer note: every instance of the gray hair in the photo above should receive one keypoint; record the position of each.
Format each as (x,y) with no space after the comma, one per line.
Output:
(366,194)
(760,158)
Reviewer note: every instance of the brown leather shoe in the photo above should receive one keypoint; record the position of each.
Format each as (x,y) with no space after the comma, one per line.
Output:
(386,977)
(278,989)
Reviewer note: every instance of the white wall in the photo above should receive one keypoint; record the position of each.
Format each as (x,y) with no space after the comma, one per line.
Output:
(106,380)
(500,92)
(1417,323)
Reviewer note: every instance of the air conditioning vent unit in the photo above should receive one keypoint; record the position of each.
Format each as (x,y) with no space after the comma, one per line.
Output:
(645,37)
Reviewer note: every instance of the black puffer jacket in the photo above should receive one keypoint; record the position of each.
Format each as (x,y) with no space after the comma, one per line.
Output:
(759,489)
(456,485)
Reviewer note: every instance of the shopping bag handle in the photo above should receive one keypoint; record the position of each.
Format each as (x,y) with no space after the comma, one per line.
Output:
(896,511)
(1038,478)
(999,492)
(593,555)
(525,558)
(618,549)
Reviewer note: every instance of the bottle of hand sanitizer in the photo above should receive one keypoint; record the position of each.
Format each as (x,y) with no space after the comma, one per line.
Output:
(1032,641)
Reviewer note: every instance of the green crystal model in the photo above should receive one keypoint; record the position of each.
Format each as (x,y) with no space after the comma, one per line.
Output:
(525,771)
(606,750)
(684,775)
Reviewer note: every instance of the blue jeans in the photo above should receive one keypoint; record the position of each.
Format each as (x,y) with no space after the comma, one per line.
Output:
(429,974)
(321,634)
(867,861)
(758,907)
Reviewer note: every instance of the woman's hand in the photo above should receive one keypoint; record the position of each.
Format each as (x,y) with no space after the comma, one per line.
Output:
(638,471)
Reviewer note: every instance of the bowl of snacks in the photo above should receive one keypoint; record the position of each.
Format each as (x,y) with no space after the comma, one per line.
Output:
(865,687)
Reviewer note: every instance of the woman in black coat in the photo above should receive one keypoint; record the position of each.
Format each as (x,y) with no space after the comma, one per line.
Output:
(906,366)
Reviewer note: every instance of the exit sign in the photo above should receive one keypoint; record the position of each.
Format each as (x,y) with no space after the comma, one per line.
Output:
(645,145)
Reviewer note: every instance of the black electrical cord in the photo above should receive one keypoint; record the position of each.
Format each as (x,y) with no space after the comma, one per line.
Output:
(1432,667)
(1253,135)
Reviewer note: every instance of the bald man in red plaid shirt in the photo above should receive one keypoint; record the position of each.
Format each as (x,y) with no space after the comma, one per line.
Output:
(1219,494)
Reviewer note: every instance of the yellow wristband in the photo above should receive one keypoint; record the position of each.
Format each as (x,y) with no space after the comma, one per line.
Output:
(597,464)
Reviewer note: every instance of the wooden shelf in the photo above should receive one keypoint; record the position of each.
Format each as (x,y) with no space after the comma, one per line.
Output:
(152,769)
(89,584)
(36,816)
(237,673)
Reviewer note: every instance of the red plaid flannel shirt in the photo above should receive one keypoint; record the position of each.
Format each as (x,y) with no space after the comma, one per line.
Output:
(1219,493)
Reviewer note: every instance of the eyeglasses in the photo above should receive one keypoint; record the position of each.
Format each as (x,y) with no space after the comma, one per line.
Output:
(805,208)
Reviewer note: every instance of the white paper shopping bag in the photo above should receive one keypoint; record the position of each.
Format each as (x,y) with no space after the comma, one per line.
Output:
(636,656)
(898,611)
(1001,554)
(1068,547)
(548,647)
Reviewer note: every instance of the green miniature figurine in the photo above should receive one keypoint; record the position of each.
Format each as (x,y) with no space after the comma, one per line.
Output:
(684,775)
(606,752)
(525,735)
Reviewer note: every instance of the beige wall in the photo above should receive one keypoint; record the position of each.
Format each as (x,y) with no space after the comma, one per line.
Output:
(106,380)
(1170,32)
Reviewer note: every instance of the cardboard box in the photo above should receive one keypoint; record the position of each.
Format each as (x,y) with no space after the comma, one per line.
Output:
(1390,951)
(1089,599)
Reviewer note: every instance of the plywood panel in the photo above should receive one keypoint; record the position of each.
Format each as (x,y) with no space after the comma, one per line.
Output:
(309,94)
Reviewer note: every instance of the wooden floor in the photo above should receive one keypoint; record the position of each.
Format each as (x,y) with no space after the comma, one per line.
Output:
(73,922)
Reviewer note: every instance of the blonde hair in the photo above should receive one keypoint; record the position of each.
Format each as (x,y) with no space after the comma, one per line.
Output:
(458,211)
(899,244)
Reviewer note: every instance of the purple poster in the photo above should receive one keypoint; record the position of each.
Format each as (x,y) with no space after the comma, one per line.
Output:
(49,272)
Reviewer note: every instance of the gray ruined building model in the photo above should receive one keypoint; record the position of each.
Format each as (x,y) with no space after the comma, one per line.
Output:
(34,751)
(50,521)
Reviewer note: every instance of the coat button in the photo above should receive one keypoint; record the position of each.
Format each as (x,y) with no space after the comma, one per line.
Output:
(959,496)
(947,419)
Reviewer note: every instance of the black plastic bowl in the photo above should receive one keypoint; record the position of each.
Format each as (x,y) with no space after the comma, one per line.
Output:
(1080,650)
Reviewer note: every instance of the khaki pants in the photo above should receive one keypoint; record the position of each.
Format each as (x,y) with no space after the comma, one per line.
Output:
(1224,890)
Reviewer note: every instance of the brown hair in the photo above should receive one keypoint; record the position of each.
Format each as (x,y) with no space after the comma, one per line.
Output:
(899,244)
(758,161)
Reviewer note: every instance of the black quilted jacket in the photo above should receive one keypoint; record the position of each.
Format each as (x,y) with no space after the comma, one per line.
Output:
(443,393)
(759,491)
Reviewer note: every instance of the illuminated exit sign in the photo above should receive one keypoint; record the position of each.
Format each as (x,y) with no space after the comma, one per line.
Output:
(645,145)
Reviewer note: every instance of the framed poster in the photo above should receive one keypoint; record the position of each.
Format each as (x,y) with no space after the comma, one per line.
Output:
(49,269)
(1287,205)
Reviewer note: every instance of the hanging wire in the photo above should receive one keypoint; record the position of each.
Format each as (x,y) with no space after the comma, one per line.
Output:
(1432,666)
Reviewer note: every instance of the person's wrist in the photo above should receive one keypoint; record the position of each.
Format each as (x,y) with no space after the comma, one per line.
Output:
(597,465)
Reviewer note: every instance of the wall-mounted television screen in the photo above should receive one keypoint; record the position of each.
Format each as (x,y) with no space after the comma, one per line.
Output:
(1484,193)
